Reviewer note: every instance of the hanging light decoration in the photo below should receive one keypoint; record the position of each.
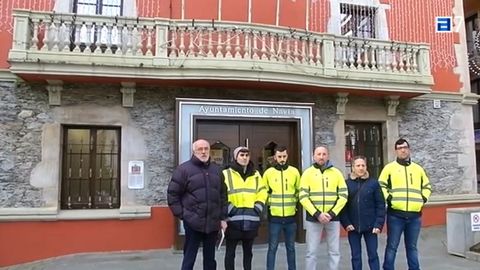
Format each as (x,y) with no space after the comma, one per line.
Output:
(474,56)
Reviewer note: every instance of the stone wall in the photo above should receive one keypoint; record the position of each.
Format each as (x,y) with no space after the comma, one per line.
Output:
(22,115)
(435,142)
(24,111)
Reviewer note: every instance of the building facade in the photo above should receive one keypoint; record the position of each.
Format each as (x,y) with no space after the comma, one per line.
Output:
(100,100)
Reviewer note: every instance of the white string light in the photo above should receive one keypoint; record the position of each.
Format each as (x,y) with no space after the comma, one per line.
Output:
(474,58)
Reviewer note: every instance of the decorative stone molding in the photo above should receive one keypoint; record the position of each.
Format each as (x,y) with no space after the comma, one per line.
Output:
(127,89)
(392,103)
(54,89)
(470,99)
(342,99)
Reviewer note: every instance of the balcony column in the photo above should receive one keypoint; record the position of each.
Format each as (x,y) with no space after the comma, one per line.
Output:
(328,56)
(21,35)
(161,43)
(424,60)
(127,89)
(392,103)
(54,88)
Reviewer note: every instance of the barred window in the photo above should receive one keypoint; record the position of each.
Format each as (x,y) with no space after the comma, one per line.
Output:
(103,7)
(364,138)
(91,168)
(357,21)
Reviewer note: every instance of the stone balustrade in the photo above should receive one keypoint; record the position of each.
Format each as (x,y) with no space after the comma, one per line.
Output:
(54,39)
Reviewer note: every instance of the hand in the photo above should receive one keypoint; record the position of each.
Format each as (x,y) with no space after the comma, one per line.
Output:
(223,225)
(376,231)
(324,218)
(350,228)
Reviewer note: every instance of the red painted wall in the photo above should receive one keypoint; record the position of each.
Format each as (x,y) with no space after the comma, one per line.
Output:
(405,26)
(407,21)
(22,242)
(6,22)
(235,10)
(292,14)
(263,11)
(201,9)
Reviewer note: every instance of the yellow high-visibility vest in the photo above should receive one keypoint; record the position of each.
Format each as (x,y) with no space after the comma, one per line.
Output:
(323,191)
(283,186)
(244,193)
(406,188)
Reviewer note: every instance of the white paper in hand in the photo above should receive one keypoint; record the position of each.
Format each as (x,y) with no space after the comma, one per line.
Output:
(221,239)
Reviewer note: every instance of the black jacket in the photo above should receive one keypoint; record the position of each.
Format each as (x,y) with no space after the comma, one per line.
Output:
(197,195)
(365,208)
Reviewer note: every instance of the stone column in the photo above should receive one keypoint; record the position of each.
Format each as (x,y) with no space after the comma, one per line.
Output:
(337,151)
(127,89)
(54,89)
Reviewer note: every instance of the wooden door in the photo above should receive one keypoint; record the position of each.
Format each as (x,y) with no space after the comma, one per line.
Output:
(261,137)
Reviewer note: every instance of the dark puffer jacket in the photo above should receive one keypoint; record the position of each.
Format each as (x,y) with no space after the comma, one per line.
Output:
(365,208)
(197,195)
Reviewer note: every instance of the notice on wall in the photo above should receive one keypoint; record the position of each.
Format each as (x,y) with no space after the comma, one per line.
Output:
(475,217)
(136,175)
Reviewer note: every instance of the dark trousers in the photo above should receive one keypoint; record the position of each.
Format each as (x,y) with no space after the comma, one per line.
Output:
(231,246)
(192,243)
(355,240)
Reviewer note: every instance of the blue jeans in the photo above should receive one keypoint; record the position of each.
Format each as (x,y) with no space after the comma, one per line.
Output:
(355,240)
(289,231)
(410,227)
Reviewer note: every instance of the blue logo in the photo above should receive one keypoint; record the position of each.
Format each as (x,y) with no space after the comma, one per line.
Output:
(443,24)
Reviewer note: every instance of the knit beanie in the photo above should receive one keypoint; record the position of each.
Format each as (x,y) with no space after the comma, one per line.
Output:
(238,150)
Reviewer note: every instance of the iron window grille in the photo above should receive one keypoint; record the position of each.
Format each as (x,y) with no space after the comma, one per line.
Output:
(358,21)
(100,7)
(91,168)
(364,138)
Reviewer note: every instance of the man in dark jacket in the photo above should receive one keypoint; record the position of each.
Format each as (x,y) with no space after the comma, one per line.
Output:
(197,196)
(364,214)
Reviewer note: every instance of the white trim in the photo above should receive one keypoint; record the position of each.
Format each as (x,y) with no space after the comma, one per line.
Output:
(219,10)
(53,213)
(453,199)
(307,15)
(183,10)
(6,75)
(249,10)
(466,99)
(63,6)
(277,12)
(243,109)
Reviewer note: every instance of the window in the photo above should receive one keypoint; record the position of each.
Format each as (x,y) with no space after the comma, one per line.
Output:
(103,7)
(90,170)
(363,138)
(357,21)
(471,28)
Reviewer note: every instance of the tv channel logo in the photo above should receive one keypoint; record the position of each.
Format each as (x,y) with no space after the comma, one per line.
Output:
(443,24)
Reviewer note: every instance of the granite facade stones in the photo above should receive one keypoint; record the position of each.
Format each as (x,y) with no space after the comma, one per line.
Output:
(24,111)
(434,143)
(22,114)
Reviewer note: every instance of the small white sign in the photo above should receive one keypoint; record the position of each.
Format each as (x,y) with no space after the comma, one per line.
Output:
(135,175)
(475,218)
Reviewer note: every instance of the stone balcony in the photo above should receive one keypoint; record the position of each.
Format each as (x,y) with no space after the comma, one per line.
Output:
(57,46)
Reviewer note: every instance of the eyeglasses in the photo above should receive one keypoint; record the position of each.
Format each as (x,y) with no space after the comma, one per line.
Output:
(243,154)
